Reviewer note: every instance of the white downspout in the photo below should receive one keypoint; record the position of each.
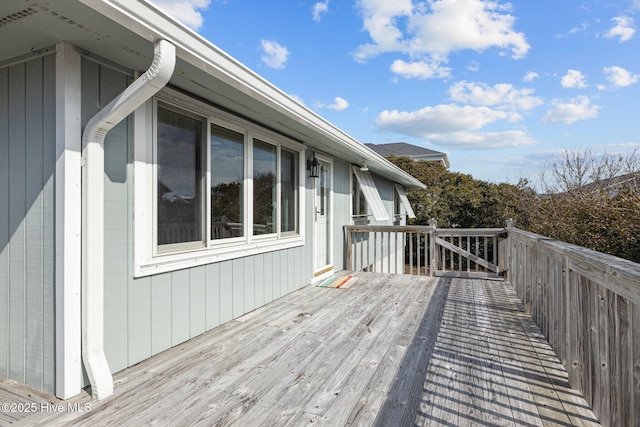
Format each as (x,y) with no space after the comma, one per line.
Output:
(156,77)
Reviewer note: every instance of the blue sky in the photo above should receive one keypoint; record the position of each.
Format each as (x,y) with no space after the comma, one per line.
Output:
(499,86)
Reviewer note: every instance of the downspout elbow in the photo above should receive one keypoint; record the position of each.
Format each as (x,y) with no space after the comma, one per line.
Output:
(140,91)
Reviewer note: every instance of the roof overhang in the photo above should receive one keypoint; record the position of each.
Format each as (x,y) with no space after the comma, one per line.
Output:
(124,31)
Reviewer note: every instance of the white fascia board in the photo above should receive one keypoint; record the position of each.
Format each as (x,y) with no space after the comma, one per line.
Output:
(151,23)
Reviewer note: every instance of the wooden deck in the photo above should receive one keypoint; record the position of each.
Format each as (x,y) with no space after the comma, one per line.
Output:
(390,350)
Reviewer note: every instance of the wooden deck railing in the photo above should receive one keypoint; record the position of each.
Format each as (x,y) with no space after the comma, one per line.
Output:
(586,303)
(424,250)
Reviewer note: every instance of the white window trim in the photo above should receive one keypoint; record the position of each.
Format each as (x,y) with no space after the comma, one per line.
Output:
(404,200)
(371,194)
(146,259)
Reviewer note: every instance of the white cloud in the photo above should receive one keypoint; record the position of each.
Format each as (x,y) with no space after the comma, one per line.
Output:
(573,79)
(339,104)
(620,77)
(319,9)
(273,54)
(501,95)
(441,119)
(576,109)
(484,140)
(624,29)
(185,11)
(428,32)
(530,76)
(419,69)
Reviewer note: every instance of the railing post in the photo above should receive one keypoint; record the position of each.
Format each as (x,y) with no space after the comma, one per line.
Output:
(432,247)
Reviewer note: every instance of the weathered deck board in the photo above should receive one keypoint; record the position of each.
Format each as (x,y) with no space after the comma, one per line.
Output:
(376,353)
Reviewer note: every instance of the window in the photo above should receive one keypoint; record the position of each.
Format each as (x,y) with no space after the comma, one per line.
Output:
(396,204)
(223,187)
(289,190)
(366,187)
(227,183)
(179,171)
(265,199)
(358,202)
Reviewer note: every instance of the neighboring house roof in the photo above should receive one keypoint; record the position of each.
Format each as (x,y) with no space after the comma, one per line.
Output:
(125,30)
(402,149)
(614,184)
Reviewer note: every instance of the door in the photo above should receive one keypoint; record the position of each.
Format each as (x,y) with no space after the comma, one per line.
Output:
(323,261)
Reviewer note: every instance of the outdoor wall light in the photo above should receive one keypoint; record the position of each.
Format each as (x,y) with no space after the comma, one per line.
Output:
(364,167)
(314,167)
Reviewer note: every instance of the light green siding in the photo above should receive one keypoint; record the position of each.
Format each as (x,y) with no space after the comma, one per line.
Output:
(148,315)
(27,164)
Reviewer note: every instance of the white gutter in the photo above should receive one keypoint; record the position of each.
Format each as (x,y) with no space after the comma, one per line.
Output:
(156,77)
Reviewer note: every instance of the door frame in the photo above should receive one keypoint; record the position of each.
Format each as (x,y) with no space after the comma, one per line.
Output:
(322,271)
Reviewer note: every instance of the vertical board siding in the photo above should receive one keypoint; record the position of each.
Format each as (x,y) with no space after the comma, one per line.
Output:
(212,290)
(226,291)
(139,337)
(342,209)
(197,295)
(249,281)
(48,219)
(4,222)
(267,272)
(237,282)
(27,163)
(160,312)
(259,281)
(180,307)
(33,230)
(17,213)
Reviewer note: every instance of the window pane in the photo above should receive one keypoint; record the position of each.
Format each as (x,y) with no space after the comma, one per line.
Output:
(358,201)
(227,189)
(289,190)
(179,176)
(264,188)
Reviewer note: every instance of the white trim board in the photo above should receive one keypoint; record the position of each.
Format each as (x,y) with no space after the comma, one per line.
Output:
(68,222)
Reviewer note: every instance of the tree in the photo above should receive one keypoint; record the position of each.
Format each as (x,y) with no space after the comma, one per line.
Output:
(459,200)
(592,201)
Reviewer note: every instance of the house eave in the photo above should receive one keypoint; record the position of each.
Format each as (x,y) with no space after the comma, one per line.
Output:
(126,30)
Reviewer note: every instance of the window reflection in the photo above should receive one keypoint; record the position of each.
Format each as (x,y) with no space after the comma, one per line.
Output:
(289,190)
(227,183)
(264,188)
(179,175)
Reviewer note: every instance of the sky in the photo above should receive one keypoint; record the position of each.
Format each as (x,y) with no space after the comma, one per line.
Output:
(501,87)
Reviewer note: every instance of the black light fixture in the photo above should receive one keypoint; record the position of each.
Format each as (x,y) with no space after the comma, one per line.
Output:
(314,167)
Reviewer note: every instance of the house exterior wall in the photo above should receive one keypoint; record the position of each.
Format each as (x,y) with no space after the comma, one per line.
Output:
(143,316)
(148,315)
(27,231)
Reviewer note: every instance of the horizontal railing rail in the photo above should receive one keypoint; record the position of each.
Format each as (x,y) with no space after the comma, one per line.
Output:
(587,304)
